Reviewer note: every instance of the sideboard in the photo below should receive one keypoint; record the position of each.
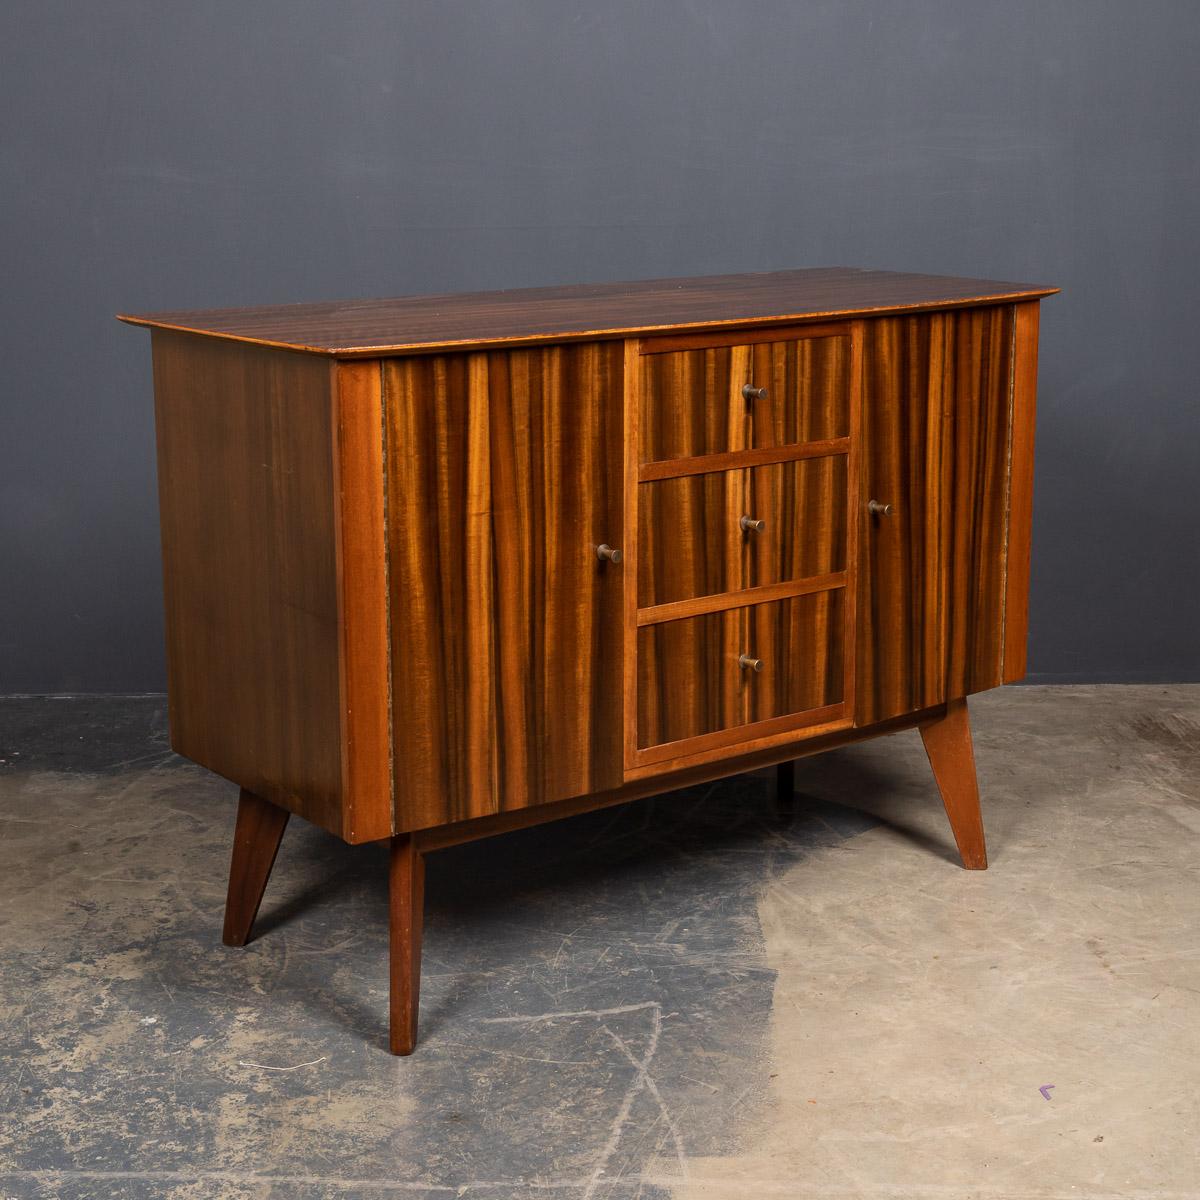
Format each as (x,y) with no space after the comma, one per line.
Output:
(439,567)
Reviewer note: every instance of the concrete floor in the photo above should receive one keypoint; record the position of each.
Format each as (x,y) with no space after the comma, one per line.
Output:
(695,996)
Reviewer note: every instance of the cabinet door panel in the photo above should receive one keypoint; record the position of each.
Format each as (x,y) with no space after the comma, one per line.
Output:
(902,584)
(937,429)
(506,627)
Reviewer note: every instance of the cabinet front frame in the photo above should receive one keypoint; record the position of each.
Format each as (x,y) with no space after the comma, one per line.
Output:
(653,760)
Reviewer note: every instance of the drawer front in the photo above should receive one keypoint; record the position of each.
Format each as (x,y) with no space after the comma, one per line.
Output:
(800,643)
(689,683)
(723,531)
(740,671)
(720,399)
(690,541)
(803,509)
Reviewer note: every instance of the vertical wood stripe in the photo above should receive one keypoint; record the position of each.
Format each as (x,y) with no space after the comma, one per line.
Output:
(361,552)
(976,380)
(1020,490)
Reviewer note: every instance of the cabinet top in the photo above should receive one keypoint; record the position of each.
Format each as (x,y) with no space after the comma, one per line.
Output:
(470,320)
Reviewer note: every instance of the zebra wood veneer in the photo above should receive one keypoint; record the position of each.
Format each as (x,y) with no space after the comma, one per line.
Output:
(439,567)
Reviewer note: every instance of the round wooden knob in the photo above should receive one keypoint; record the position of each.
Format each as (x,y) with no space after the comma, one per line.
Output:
(607,553)
(749,664)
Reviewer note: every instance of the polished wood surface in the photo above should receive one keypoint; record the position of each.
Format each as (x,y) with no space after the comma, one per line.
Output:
(690,542)
(692,402)
(745,554)
(256,838)
(755,663)
(978,373)
(348,328)
(504,475)
(361,558)
(804,509)
(406,909)
(902,581)
(246,502)
(952,756)
(948,423)
(699,535)
(1020,491)
(386,609)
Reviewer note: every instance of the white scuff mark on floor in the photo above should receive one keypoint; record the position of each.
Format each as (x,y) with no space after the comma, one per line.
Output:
(297,1067)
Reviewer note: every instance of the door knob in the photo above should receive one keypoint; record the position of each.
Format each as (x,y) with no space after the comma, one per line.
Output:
(607,553)
(749,664)
(879,510)
(750,392)
(750,525)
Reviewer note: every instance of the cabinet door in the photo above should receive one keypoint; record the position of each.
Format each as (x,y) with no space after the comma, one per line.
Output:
(504,474)
(902,614)
(938,441)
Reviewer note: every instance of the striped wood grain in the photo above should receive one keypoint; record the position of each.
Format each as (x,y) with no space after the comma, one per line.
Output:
(935,582)
(977,380)
(504,473)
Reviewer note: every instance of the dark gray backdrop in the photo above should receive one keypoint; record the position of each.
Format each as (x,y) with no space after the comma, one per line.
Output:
(209,154)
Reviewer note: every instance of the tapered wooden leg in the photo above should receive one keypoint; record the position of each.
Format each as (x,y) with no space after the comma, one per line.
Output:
(952,757)
(256,838)
(407,889)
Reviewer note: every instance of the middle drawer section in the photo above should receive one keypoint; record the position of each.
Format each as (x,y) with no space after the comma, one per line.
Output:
(724,531)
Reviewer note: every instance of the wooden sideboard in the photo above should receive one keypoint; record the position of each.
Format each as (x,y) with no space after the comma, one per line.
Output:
(439,567)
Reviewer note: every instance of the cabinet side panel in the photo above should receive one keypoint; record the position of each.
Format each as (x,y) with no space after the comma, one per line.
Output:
(1020,503)
(978,375)
(901,596)
(504,474)
(246,490)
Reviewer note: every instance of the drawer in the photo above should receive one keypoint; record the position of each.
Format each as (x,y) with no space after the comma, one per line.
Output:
(720,398)
(803,509)
(722,531)
(689,682)
(690,542)
(801,645)
(733,670)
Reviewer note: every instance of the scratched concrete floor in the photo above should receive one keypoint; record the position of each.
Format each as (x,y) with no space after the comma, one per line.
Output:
(697,996)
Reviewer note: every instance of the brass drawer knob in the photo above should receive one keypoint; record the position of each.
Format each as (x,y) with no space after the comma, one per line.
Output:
(750,525)
(750,392)
(607,553)
(879,510)
(749,664)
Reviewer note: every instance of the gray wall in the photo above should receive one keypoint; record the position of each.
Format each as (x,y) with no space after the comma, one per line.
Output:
(208,154)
